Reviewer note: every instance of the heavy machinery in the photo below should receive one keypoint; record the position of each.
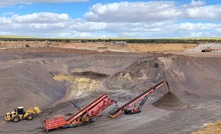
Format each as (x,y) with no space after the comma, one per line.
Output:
(83,116)
(20,114)
(144,96)
(208,49)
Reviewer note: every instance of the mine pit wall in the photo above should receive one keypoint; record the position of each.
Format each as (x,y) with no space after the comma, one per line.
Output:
(188,76)
(128,74)
(161,47)
(128,47)
(83,75)
(78,87)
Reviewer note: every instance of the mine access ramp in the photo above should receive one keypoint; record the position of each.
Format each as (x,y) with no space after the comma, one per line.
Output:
(144,96)
(86,115)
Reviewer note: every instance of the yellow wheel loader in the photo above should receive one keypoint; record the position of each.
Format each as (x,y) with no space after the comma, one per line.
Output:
(20,114)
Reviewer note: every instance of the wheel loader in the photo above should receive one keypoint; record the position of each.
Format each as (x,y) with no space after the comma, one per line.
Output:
(20,114)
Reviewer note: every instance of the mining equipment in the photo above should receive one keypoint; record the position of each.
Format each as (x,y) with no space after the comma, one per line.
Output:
(75,104)
(90,113)
(20,114)
(83,116)
(208,49)
(143,98)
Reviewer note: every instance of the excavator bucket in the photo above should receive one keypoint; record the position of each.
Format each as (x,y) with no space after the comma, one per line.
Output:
(170,101)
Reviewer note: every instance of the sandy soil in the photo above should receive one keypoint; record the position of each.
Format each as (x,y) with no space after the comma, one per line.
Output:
(101,46)
(49,77)
(213,128)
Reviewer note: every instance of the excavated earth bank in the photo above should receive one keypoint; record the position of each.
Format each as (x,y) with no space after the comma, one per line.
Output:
(49,78)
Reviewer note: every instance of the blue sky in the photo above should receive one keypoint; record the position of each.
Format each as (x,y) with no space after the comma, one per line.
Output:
(111,18)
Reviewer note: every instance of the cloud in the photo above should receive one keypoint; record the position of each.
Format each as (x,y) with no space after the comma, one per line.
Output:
(194,3)
(43,17)
(152,11)
(155,19)
(47,26)
(82,25)
(14,2)
(61,25)
(188,29)
(36,24)
(133,12)
(198,10)
(211,12)
(4,21)
(197,26)
(147,30)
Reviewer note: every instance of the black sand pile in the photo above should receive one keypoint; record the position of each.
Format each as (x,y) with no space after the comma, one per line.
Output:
(170,101)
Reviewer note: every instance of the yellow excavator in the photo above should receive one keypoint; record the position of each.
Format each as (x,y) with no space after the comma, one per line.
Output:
(20,114)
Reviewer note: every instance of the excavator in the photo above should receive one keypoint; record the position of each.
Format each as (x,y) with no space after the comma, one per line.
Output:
(20,114)
(83,116)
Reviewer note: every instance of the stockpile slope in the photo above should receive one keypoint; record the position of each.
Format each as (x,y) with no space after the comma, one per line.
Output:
(25,84)
(197,76)
(188,76)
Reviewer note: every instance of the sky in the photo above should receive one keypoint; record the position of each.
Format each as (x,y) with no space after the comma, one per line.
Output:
(111,18)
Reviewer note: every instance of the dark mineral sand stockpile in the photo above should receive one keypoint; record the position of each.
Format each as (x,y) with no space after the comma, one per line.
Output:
(170,101)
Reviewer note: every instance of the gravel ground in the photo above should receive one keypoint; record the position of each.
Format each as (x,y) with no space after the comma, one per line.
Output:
(194,78)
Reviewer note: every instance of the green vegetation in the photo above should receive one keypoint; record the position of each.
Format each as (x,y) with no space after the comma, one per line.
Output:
(13,37)
(114,40)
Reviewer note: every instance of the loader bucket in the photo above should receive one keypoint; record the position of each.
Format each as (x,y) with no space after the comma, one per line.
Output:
(170,101)
(37,110)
